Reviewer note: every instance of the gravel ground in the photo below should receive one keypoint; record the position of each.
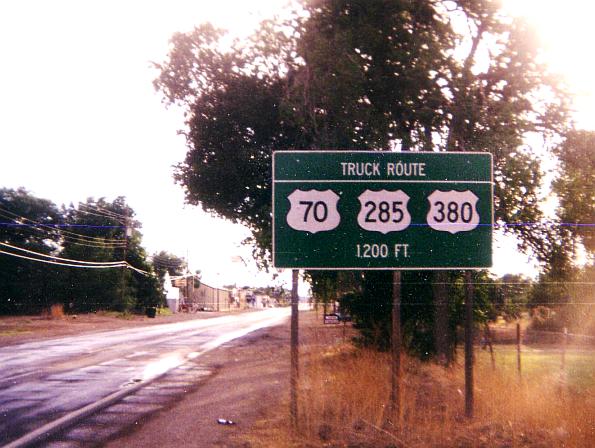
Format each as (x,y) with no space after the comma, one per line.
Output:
(251,378)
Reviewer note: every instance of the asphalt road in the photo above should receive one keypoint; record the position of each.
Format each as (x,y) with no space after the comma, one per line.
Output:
(41,382)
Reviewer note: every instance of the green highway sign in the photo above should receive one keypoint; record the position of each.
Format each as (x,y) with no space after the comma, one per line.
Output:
(382,210)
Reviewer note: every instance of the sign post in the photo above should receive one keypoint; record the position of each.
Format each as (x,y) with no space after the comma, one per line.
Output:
(294,367)
(395,396)
(468,345)
(381,210)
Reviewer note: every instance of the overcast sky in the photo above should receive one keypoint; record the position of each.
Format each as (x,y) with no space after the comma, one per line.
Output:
(79,116)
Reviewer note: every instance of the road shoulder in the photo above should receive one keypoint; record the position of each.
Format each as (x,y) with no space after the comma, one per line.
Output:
(251,377)
(23,329)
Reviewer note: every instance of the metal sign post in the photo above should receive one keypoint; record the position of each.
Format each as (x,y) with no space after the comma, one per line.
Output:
(382,210)
(294,368)
(395,396)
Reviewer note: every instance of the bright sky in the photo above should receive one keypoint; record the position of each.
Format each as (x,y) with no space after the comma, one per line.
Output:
(79,116)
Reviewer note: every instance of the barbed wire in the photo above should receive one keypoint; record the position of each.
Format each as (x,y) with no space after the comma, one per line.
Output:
(433,304)
(494,283)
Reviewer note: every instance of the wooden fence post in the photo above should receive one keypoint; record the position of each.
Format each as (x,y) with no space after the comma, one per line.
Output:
(564,344)
(518,348)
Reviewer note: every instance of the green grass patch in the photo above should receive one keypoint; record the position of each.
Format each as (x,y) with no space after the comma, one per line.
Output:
(126,315)
(164,312)
(538,363)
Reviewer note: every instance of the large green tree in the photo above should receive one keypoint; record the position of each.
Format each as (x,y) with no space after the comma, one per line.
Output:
(417,75)
(44,242)
(107,231)
(371,309)
(27,222)
(349,74)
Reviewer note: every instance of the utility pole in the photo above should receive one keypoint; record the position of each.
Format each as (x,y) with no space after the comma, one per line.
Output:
(124,269)
(187,277)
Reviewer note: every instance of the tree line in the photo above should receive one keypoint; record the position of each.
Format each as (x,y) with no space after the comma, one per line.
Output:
(87,257)
(421,75)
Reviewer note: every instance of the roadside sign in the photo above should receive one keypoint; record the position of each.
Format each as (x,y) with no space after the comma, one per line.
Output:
(382,210)
(331,319)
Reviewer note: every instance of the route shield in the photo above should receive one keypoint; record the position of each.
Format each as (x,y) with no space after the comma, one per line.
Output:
(453,211)
(383,211)
(313,211)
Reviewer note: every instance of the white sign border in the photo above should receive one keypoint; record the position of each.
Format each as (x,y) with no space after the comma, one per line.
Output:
(400,153)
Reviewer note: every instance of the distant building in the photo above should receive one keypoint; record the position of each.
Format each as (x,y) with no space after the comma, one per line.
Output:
(209,298)
(196,295)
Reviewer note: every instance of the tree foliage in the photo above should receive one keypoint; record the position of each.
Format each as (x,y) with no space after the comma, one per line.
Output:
(570,303)
(355,74)
(164,261)
(95,231)
(27,222)
(371,308)
(403,75)
(575,185)
(104,225)
(509,296)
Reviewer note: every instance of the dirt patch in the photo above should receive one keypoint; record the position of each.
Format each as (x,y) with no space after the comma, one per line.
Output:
(250,388)
(16,330)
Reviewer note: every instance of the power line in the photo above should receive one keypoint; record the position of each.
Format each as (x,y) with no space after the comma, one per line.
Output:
(20,224)
(514,224)
(104,210)
(64,264)
(98,214)
(97,245)
(140,271)
(99,242)
(59,258)
(119,264)
(77,235)
(64,233)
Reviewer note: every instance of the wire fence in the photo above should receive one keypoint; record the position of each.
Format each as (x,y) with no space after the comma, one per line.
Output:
(532,336)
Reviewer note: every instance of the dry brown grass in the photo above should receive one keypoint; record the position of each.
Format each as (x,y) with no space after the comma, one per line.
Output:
(56,311)
(344,400)
(343,403)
